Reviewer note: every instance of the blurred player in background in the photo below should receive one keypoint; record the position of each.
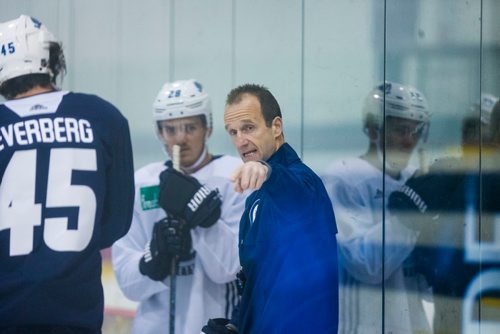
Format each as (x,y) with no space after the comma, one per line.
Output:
(201,229)
(287,238)
(372,249)
(475,125)
(66,188)
(453,208)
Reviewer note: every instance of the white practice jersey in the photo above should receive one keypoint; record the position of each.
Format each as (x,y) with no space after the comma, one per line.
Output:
(206,284)
(359,193)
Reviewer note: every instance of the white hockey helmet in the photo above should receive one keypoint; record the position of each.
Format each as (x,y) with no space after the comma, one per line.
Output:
(401,101)
(24,44)
(182,98)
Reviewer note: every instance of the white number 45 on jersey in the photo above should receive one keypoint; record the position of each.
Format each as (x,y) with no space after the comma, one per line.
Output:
(20,213)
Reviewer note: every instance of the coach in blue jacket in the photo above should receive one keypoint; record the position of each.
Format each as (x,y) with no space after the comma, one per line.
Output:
(288,249)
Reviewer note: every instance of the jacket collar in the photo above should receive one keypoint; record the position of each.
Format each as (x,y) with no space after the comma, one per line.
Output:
(285,155)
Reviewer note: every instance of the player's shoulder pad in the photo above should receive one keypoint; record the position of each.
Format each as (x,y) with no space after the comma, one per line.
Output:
(90,103)
(149,174)
(225,165)
(351,170)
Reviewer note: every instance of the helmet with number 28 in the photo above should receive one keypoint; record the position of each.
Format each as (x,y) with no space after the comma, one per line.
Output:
(25,44)
(183,98)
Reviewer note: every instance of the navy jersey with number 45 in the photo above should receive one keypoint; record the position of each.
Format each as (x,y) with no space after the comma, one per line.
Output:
(66,192)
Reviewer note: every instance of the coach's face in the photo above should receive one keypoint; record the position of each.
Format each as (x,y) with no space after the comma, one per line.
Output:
(247,128)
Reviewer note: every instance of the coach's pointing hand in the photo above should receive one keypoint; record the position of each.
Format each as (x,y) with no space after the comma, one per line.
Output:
(251,175)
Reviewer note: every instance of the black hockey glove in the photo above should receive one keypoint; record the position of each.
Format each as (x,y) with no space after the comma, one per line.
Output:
(425,197)
(434,192)
(408,206)
(219,326)
(171,240)
(184,197)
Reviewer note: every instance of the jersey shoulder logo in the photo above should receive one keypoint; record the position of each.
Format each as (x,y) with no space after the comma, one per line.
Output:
(38,107)
(149,197)
(252,213)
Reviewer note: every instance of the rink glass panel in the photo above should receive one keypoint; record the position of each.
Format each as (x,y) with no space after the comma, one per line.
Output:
(320,58)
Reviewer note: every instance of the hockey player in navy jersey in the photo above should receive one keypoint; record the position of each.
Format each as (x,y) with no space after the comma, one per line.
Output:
(66,188)
(287,233)
(201,229)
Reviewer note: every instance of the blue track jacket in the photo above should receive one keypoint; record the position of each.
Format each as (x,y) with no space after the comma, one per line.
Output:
(288,252)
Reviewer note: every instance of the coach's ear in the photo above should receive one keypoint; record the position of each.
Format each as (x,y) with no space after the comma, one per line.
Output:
(277,127)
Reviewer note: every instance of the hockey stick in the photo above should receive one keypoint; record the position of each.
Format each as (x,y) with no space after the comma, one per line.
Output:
(423,161)
(173,269)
